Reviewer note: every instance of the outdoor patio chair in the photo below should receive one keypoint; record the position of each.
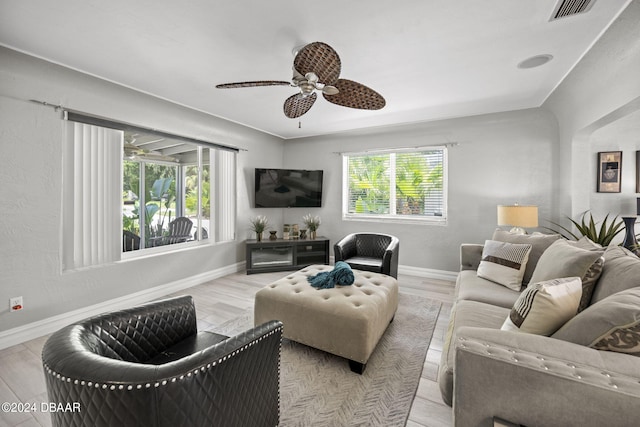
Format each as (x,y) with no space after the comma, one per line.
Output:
(179,231)
(130,241)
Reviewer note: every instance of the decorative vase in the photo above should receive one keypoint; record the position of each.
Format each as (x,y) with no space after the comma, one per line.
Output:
(259,237)
(630,242)
(303,234)
(272,235)
(313,234)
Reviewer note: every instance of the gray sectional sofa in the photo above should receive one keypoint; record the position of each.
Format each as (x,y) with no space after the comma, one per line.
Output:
(586,373)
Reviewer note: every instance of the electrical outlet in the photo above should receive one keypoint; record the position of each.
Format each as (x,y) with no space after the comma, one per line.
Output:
(15,304)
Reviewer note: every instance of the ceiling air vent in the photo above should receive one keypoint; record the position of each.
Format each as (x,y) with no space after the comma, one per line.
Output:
(566,8)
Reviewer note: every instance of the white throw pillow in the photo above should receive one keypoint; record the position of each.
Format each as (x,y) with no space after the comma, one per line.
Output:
(504,263)
(544,307)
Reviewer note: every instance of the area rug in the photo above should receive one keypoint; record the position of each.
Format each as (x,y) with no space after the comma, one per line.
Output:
(319,389)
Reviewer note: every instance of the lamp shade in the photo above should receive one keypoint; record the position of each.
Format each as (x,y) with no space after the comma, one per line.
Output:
(518,215)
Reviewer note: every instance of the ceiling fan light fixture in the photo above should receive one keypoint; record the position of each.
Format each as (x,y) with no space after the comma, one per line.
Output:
(330,90)
(306,88)
(311,78)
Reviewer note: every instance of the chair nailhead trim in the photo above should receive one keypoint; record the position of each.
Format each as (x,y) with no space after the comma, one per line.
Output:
(173,379)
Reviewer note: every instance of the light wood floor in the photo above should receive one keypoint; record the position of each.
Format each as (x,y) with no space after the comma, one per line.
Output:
(22,380)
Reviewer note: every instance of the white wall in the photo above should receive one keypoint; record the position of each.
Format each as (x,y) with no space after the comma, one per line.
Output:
(621,135)
(500,158)
(30,188)
(602,88)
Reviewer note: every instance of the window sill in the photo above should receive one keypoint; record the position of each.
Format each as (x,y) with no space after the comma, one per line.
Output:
(432,220)
(159,250)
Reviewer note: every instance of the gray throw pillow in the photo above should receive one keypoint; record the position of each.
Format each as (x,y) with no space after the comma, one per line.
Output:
(539,243)
(565,259)
(611,324)
(621,271)
(586,243)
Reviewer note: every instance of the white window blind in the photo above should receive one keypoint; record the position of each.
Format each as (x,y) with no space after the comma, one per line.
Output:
(226,196)
(396,185)
(92,188)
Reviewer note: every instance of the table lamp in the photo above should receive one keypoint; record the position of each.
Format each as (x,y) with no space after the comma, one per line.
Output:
(518,217)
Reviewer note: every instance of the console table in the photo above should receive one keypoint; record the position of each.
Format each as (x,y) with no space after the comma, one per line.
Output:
(282,255)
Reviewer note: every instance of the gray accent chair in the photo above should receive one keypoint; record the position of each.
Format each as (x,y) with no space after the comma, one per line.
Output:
(149,366)
(374,252)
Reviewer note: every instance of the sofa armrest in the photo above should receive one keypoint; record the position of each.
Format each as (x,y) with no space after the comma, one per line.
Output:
(540,381)
(470,256)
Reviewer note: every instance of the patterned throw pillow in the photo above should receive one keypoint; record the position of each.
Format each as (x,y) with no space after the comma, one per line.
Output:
(625,339)
(504,263)
(612,324)
(539,243)
(544,307)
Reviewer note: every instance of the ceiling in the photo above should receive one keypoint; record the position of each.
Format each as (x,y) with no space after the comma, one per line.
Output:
(429,59)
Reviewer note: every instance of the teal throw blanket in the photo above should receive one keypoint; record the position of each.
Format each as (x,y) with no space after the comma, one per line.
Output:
(340,275)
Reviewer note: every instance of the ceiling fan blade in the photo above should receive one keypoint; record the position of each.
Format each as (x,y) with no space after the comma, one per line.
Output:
(321,59)
(253,84)
(296,105)
(355,95)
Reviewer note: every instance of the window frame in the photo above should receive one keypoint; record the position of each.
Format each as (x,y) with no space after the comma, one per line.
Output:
(395,218)
(221,158)
(180,179)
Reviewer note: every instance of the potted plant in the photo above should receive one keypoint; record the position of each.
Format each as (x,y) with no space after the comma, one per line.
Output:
(258,225)
(312,223)
(602,234)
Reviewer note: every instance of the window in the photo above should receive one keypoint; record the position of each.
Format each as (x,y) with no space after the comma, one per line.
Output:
(134,191)
(396,185)
(164,188)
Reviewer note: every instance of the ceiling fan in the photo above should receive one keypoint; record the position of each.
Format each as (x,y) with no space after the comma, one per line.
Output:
(316,67)
(133,152)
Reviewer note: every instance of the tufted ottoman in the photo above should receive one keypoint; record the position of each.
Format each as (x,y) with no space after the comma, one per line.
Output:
(346,321)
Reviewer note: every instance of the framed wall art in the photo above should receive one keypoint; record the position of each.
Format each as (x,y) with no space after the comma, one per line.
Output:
(609,171)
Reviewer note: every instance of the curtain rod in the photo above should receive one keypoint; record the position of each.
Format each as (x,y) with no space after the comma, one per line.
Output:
(82,117)
(387,150)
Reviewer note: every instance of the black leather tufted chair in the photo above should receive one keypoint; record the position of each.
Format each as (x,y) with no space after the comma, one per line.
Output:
(148,366)
(370,252)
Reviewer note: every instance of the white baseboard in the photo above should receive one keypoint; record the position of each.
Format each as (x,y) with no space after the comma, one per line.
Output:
(428,273)
(46,326)
(49,325)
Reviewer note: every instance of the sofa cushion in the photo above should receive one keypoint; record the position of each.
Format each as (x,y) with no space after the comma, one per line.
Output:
(464,313)
(621,271)
(544,307)
(610,324)
(539,243)
(566,259)
(473,288)
(504,263)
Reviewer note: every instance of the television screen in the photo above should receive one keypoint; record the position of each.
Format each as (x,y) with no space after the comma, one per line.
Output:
(288,188)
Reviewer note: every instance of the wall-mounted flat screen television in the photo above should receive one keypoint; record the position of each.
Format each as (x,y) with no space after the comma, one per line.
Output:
(288,188)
